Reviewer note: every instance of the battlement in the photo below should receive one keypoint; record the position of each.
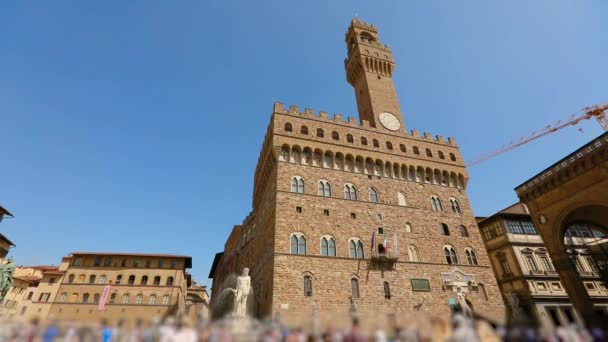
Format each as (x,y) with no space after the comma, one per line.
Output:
(350,121)
(363,25)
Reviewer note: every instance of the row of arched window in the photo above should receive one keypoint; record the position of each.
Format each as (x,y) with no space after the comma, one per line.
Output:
(144,280)
(126,298)
(350,193)
(359,164)
(298,245)
(320,133)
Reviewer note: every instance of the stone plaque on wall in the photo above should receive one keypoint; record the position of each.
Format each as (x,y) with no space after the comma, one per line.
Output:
(421,285)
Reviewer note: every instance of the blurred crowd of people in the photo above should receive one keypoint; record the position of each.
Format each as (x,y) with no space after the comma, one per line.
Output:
(171,329)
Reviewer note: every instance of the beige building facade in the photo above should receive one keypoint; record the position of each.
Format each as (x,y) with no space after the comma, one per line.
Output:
(359,217)
(522,264)
(570,193)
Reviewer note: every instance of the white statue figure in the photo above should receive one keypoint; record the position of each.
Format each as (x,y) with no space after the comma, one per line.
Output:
(243,287)
(466,309)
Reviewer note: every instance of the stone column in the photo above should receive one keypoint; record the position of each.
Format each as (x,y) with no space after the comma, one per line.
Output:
(579,297)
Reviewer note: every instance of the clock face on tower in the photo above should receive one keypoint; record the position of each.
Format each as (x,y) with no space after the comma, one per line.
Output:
(389,121)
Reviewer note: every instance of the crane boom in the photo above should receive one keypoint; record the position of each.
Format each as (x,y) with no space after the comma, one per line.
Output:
(586,113)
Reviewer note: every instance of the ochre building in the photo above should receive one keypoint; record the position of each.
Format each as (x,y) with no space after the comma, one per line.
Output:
(112,287)
(358,217)
(523,265)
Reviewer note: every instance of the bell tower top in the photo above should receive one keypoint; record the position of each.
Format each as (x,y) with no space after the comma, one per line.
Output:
(369,69)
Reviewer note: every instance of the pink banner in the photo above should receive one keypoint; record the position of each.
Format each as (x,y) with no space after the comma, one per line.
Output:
(104,297)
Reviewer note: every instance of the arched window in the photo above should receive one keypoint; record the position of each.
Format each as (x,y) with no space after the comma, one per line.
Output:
(63,297)
(373,195)
(131,279)
(364,141)
(471,257)
(298,243)
(401,199)
(402,148)
(152,299)
(324,188)
(389,145)
(96,298)
(354,287)
(450,255)
(70,279)
(125,299)
(102,279)
(416,150)
(387,290)
(304,130)
(349,138)
(156,281)
(85,298)
(320,133)
(307,286)
(441,156)
(169,281)
(118,279)
(297,184)
(443,229)
(139,299)
(356,249)
(288,127)
(376,143)
(335,135)
(408,227)
(165,299)
(92,279)
(436,203)
(455,206)
(328,246)
(429,153)
(452,157)
(463,231)
(350,192)
(283,157)
(144,280)
(412,253)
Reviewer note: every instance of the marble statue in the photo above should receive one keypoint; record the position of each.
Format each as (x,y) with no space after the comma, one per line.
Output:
(241,292)
(6,277)
(466,309)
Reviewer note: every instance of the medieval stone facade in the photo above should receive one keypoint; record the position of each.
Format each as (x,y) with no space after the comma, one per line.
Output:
(361,217)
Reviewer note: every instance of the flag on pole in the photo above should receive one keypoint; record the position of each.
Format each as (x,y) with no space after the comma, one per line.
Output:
(385,245)
(395,245)
(373,239)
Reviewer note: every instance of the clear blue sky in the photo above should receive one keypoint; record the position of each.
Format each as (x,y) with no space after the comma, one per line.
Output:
(136,125)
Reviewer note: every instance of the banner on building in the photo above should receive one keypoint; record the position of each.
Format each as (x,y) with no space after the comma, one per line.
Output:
(104,297)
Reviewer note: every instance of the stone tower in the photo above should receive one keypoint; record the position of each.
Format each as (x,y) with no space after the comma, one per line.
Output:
(359,216)
(369,69)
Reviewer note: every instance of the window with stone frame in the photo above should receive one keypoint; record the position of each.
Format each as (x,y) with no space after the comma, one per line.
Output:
(471,256)
(350,192)
(349,138)
(297,184)
(354,287)
(450,255)
(412,253)
(443,229)
(455,206)
(288,127)
(436,204)
(324,188)
(307,286)
(125,299)
(463,231)
(165,299)
(387,290)
(356,249)
(373,195)
(328,246)
(298,244)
